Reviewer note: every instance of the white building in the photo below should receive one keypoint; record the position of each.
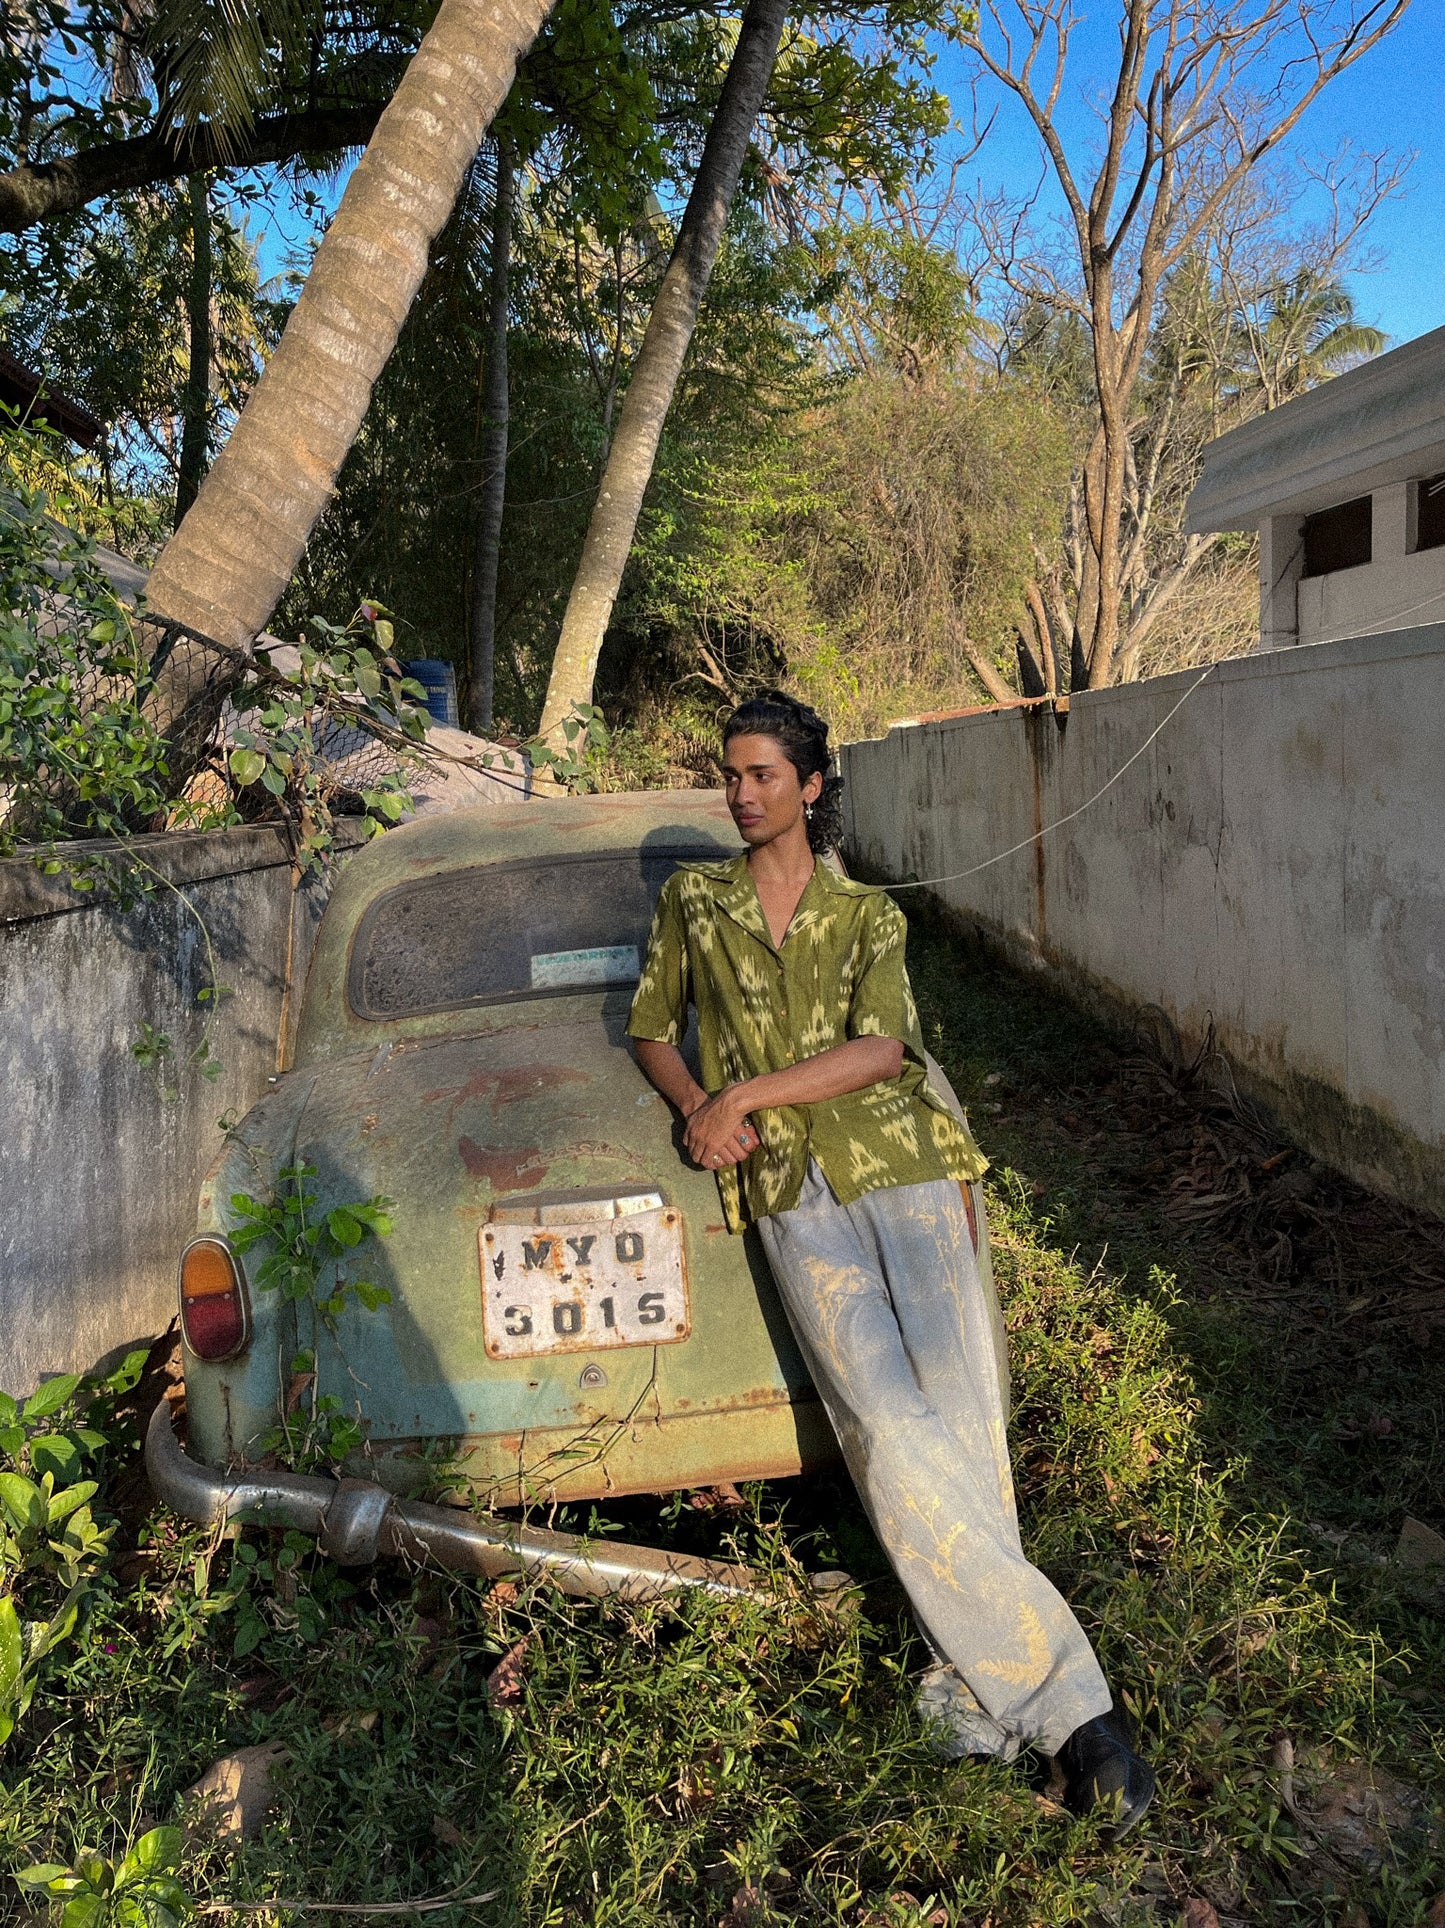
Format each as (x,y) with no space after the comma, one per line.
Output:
(1346,486)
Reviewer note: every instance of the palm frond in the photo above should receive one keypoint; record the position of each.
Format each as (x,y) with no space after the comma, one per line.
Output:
(215,60)
(1351,342)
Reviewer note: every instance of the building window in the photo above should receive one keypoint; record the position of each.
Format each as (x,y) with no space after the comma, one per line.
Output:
(1430,512)
(1338,538)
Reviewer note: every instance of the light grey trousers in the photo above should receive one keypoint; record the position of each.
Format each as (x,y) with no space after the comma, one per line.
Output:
(885,1300)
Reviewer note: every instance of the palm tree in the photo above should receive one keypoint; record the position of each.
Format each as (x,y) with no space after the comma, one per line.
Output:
(658,366)
(223,571)
(1305,333)
(493,496)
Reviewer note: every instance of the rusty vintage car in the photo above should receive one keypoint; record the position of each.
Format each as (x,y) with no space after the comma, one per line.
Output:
(568,1316)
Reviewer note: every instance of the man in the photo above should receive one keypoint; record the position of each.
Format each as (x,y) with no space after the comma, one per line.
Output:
(816,1114)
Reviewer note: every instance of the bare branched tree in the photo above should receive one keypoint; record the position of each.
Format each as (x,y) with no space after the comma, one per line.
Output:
(1204,90)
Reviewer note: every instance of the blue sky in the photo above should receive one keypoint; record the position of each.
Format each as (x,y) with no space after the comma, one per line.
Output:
(1394,97)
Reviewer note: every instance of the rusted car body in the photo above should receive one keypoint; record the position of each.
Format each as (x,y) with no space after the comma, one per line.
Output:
(569,1317)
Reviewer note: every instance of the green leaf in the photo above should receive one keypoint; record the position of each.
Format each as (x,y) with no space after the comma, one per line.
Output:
(247,765)
(273,780)
(54,1453)
(154,1853)
(8,1408)
(65,1503)
(52,1395)
(384,633)
(22,1500)
(85,1911)
(94,1868)
(41,1875)
(128,1372)
(344,1228)
(12,1652)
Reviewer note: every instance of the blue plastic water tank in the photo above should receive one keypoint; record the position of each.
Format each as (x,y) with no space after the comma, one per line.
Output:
(439,680)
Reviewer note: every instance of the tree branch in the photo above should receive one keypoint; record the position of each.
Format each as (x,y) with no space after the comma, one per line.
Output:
(42,190)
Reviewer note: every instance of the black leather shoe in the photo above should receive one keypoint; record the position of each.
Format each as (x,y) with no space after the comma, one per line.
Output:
(1100,1766)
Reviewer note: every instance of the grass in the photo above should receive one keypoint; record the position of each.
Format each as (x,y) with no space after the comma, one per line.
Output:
(1216,1442)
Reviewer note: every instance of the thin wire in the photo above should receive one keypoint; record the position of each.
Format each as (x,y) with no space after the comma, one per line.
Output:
(922,883)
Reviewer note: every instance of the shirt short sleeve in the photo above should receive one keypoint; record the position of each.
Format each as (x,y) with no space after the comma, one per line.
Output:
(659,1007)
(882,1004)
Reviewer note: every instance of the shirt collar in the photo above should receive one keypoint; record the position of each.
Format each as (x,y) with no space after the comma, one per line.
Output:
(735,893)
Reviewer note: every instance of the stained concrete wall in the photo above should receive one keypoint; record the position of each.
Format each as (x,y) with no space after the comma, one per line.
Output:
(99,1167)
(1274,861)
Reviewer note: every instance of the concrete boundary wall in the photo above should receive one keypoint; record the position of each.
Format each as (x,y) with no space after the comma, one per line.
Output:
(99,1169)
(1274,862)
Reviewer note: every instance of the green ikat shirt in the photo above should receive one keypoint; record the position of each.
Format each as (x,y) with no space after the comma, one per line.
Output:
(838,974)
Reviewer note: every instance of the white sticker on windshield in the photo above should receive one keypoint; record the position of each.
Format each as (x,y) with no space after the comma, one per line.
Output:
(609,964)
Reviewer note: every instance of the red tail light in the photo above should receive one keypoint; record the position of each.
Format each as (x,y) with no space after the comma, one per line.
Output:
(215,1311)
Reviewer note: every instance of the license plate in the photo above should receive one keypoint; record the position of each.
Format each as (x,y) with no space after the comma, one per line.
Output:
(584,1285)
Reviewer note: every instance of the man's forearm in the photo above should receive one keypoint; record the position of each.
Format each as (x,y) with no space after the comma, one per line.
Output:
(664,1067)
(831,1074)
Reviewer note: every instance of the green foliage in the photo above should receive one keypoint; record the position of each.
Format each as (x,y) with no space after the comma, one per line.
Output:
(265,1587)
(585,739)
(861,545)
(111,325)
(891,298)
(80,758)
(853,112)
(698,585)
(51,1546)
(77,755)
(310,738)
(588,99)
(141,1891)
(155,1049)
(304,1245)
(305,1258)
(935,502)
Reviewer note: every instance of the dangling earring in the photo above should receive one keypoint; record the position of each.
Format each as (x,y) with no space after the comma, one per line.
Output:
(808,811)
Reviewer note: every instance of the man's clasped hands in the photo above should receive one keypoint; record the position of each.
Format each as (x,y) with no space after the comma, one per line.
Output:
(718,1130)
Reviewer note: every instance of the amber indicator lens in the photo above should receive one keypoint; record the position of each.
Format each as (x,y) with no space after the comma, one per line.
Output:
(215,1315)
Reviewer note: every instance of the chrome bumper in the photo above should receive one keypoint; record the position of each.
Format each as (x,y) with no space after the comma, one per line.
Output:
(356,1521)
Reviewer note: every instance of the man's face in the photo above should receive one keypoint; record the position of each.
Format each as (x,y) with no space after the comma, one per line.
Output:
(764,793)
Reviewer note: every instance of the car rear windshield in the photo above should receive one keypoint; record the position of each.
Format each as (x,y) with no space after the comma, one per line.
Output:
(502,932)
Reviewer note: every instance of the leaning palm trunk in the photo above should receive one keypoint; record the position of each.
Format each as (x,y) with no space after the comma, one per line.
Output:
(222,573)
(496,405)
(658,366)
